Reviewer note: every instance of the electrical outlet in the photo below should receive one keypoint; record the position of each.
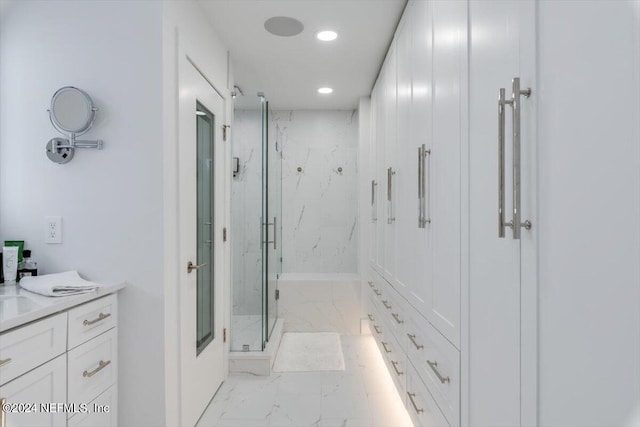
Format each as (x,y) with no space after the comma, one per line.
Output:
(53,229)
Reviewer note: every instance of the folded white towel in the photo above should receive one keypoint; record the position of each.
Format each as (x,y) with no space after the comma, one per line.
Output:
(58,285)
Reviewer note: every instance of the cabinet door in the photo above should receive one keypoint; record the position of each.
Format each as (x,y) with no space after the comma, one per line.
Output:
(389,161)
(499,34)
(381,177)
(420,289)
(406,174)
(374,220)
(449,53)
(43,385)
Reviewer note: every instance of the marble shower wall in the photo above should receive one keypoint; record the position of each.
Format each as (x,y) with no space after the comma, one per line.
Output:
(319,203)
(246,193)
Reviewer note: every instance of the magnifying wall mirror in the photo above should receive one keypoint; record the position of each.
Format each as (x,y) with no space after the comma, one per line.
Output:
(72,113)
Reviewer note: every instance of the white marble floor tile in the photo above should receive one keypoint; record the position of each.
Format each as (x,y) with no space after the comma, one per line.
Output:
(361,396)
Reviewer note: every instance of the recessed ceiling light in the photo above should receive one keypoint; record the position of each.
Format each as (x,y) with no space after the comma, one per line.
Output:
(283,26)
(325,90)
(327,36)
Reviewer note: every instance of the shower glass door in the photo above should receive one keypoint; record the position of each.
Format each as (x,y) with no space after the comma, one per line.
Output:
(273,153)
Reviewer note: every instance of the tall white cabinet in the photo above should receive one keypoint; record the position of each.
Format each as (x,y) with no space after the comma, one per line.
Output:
(505,203)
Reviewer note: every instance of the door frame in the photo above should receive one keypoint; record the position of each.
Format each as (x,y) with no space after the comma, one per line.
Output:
(176,46)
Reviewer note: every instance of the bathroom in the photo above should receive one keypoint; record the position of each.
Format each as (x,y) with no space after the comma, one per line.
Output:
(403,181)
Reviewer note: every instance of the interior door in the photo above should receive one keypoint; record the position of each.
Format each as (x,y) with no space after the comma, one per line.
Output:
(201,192)
(501,37)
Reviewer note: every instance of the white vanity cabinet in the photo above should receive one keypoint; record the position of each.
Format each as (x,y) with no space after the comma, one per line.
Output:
(59,369)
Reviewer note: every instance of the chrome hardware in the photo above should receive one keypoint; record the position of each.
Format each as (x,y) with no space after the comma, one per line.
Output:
(384,344)
(412,337)
(100,317)
(101,366)
(395,368)
(515,224)
(397,318)
(377,328)
(374,210)
(5,362)
(501,103)
(275,233)
(370,284)
(390,218)
(370,316)
(191,266)
(386,304)
(413,403)
(299,169)
(434,366)
(423,220)
(377,292)
(3,420)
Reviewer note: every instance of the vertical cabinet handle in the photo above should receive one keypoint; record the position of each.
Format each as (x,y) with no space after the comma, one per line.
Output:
(423,217)
(516,223)
(3,420)
(374,210)
(275,232)
(390,173)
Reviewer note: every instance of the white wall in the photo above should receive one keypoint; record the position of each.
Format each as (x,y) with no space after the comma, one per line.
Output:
(319,204)
(111,201)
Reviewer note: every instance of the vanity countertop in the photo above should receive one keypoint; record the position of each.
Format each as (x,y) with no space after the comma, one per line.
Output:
(19,306)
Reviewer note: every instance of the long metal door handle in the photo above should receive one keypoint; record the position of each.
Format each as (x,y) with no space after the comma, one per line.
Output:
(191,266)
(374,209)
(413,403)
(412,337)
(2,414)
(100,318)
(420,189)
(426,217)
(516,93)
(5,362)
(101,366)
(434,368)
(275,233)
(501,104)
(395,367)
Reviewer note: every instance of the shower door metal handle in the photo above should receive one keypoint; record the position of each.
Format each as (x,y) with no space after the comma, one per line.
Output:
(275,232)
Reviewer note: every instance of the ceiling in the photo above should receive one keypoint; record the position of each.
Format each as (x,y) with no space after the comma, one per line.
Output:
(289,70)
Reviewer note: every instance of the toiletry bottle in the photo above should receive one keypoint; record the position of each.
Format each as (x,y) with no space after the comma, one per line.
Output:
(28,267)
(10,264)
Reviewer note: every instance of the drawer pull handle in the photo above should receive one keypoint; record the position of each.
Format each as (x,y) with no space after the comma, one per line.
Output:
(370,284)
(100,317)
(5,362)
(377,292)
(384,344)
(387,305)
(377,329)
(395,367)
(412,337)
(371,317)
(413,402)
(397,318)
(101,366)
(434,368)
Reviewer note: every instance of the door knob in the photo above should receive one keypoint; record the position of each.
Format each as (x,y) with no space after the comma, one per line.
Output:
(191,266)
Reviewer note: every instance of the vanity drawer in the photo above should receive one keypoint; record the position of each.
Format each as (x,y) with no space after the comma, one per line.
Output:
(420,404)
(102,418)
(92,367)
(27,347)
(437,362)
(396,361)
(91,319)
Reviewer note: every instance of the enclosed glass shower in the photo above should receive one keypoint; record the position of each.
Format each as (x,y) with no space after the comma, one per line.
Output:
(256,226)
